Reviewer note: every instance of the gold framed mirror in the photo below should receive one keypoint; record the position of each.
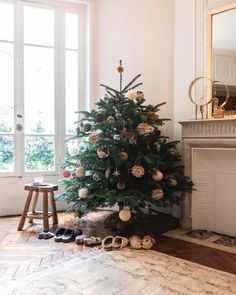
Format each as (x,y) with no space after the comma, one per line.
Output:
(221,54)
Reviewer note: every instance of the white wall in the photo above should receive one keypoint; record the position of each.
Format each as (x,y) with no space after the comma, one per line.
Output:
(184,61)
(140,32)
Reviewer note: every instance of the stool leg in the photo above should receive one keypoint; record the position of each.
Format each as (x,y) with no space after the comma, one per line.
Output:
(54,208)
(25,211)
(35,201)
(45,212)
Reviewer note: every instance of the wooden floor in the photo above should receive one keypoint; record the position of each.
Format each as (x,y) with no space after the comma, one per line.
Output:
(21,251)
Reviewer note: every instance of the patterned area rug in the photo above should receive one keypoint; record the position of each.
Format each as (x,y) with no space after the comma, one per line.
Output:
(125,272)
(205,238)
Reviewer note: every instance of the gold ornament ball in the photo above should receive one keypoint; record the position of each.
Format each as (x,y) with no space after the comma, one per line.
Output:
(121,185)
(125,215)
(124,156)
(111,120)
(80,172)
(120,69)
(157,194)
(157,175)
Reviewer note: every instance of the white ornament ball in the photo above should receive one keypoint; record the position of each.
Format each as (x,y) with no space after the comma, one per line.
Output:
(125,215)
(157,175)
(103,153)
(80,172)
(73,150)
(173,182)
(82,147)
(107,173)
(83,192)
(157,194)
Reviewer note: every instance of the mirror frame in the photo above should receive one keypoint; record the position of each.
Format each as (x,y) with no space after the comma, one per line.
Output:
(210,14)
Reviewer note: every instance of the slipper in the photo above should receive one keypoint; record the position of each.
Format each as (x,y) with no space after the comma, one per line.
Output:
(148,242)
(92,241)
(119,242)
(58,234)
(135,242)
(48,235)
(79,240)
(107,243)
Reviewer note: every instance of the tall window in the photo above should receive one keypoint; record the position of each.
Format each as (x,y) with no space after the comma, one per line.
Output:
(42,54)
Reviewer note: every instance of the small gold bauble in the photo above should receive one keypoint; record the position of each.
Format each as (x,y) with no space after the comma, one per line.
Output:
(125,214)
(157,175)
(121,185)
(124,156)
(120,69)
(111,120)
(80,172)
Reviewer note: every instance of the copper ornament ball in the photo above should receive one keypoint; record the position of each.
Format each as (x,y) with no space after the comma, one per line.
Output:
(125,215)
(121,185)
(80,172)
(157,175)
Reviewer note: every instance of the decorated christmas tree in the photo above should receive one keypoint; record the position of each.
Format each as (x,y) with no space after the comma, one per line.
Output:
(119,156)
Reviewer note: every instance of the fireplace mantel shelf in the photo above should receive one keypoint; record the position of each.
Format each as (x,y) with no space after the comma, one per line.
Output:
(209,128)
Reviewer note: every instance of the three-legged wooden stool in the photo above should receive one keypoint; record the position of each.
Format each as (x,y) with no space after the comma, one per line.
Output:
(34,191)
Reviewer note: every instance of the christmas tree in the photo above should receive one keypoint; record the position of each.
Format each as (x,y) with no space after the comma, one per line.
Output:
(120,156)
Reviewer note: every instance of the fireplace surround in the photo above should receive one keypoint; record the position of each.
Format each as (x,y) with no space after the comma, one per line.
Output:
(209,154)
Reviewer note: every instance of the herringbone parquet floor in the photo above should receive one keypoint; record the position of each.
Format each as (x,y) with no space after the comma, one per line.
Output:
(22,251)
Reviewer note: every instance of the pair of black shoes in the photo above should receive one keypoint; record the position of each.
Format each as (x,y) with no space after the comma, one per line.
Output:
(67,235)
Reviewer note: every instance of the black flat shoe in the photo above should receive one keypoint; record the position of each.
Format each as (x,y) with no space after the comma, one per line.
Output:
(59,234)
(70,235)
(48,235)
(41,235)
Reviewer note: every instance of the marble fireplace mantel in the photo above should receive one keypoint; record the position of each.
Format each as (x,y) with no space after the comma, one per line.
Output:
(209,154)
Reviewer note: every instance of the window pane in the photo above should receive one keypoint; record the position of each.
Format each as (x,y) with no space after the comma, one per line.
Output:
(39,153)
(38,26)
(6,21)
(39,90)
(72,31)
(6,154)
(6,88)
(72,78)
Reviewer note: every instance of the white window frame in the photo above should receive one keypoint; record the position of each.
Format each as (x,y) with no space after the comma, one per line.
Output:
(60,7)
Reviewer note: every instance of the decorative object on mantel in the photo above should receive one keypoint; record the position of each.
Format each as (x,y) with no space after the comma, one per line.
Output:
(203,101)
(127,161)
(218,110)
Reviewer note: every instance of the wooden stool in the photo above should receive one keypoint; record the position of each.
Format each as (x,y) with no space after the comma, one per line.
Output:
(45,214)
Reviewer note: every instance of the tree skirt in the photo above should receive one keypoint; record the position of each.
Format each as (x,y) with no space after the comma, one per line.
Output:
(124,272)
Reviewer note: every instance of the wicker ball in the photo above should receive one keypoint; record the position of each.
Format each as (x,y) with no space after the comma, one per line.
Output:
(137,171)
(157,194)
